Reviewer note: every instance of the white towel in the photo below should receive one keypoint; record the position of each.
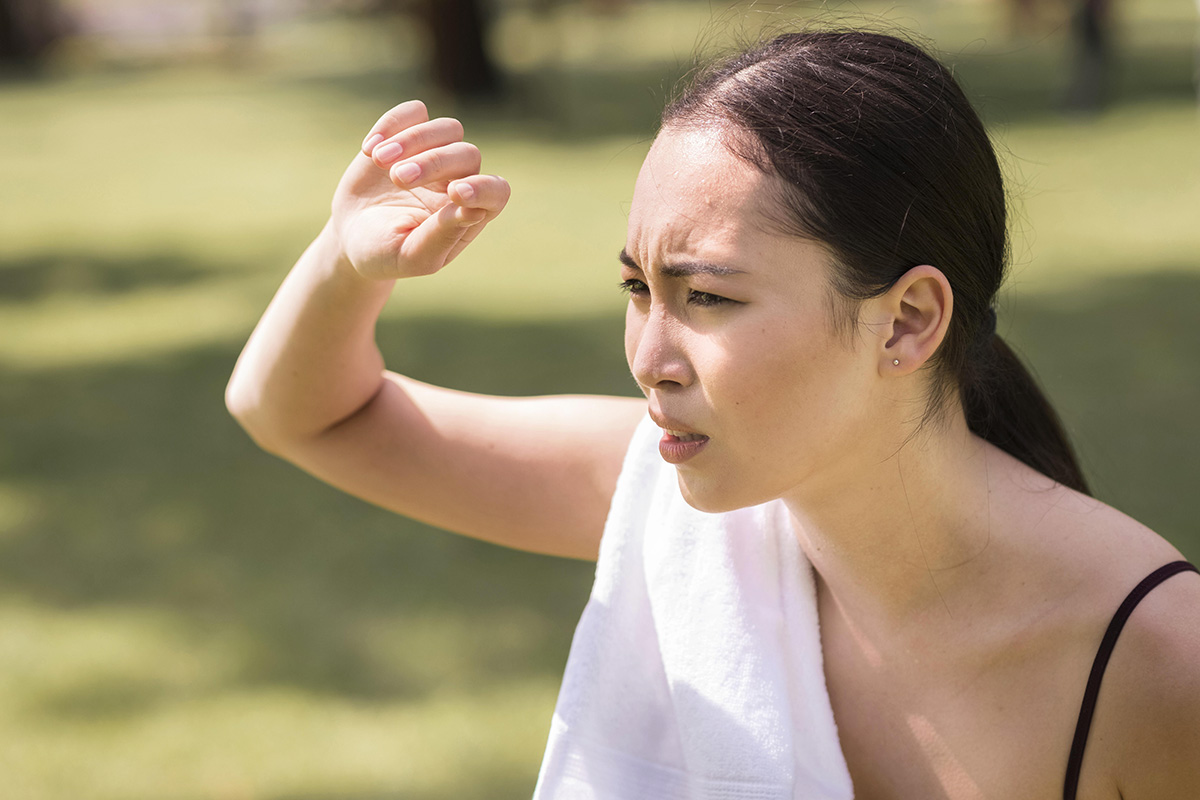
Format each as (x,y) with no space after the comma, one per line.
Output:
(695,672)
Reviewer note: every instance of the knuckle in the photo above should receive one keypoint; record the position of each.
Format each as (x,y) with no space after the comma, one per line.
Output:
(493,192)
(424,136)
(392,119)
(402,116)
(472,156)
(416,108)
(434,162)
(453,127)
(412,140)
(444,131)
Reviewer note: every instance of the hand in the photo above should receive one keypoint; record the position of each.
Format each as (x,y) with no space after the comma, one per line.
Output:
(413,198)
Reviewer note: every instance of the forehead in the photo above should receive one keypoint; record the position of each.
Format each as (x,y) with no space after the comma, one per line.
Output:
(693,195)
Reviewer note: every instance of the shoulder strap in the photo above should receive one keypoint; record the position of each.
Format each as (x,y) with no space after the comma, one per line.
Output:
(1102,655)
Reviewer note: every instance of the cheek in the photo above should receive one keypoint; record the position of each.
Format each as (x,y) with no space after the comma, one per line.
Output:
(789,380)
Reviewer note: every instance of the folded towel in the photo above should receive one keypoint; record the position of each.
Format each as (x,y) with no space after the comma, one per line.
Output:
(695,672)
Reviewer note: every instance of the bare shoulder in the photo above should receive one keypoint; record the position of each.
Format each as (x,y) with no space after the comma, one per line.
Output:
(1144,740)
(1148,713)
(1107,550)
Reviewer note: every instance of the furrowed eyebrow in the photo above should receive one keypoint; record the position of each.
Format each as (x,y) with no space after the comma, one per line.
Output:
(681,269)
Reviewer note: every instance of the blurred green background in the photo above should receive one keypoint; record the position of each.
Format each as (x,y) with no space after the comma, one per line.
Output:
(182,616)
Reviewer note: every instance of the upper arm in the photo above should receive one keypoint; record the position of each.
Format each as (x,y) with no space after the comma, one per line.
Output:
(1154,726)
(531,473)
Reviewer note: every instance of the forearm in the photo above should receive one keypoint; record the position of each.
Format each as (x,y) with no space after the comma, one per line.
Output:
(311,361)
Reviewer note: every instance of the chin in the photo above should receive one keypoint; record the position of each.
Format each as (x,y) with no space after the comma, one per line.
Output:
(715,497)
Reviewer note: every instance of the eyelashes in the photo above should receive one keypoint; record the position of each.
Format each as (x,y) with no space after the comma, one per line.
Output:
(637,288)
(707,299)
(633,286)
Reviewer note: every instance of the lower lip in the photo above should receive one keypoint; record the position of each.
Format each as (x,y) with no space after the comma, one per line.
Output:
(675,451)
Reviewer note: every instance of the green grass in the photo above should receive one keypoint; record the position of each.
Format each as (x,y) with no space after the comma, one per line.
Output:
(181,616)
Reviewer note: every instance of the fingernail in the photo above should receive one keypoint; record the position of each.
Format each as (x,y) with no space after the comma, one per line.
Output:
(407,173)
(465,190)
(389,152)
(372,140)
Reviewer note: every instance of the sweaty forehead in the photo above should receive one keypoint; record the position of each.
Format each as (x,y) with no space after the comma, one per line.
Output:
(694,197)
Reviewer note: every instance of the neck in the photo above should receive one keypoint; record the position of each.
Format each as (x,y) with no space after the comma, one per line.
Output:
(900,533)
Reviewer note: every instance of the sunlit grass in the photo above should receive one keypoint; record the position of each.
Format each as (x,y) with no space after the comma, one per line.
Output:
(1106,197)
(139,706)
(183,617)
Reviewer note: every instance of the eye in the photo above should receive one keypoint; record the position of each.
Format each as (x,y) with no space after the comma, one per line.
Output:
(706,299)
(634,287)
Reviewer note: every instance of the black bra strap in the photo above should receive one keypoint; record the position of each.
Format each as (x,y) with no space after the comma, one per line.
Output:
(1102,655)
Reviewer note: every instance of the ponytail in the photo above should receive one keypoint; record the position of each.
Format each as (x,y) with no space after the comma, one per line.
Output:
(1004,405)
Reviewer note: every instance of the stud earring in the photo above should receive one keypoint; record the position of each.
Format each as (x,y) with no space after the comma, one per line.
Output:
(895,362)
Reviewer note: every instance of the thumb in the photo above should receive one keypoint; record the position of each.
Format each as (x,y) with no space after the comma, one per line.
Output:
(428,247)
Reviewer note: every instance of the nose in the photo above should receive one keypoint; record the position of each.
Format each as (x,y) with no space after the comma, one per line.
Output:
(654,348)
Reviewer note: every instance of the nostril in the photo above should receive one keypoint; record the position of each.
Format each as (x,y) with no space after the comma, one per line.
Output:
(656,354)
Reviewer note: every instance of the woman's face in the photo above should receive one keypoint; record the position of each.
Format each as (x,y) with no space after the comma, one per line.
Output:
(730,333)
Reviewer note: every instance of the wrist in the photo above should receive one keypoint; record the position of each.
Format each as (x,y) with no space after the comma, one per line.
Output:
(329,251)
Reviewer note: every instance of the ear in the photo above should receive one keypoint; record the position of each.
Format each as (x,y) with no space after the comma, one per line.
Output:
(918,306)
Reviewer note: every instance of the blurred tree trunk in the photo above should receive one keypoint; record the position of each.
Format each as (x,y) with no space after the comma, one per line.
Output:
(236,23)
(27,30)
(1091,28)
(461,64)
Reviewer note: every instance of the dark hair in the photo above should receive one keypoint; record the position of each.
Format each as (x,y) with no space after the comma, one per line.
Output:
(881,158)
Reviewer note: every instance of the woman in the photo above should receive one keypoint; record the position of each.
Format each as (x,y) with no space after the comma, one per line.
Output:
(815,244)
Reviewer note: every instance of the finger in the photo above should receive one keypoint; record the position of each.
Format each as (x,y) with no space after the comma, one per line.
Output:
(417,139)
(405,115)
(428,246)
(468,236)
(490,193)
(486,192)
(467,217)
(456,160)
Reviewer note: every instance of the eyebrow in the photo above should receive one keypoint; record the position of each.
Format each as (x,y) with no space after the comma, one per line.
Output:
(681,269)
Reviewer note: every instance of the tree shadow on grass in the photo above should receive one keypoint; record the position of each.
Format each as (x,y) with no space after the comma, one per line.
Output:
(1028,84)
(584,102)
(1118,361)
(148,494)
(32,277)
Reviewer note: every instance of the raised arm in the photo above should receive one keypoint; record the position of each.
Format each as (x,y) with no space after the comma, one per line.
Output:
(310,385)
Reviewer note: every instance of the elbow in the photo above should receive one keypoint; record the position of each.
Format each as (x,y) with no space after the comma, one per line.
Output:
(284,421)
(266,421)
(236,402)
(243,405)
(240,400)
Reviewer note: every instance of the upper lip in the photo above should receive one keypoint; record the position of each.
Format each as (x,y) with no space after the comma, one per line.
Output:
(670,424)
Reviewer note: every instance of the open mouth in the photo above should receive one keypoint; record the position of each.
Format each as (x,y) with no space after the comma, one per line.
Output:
(684,436)
(678,446)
